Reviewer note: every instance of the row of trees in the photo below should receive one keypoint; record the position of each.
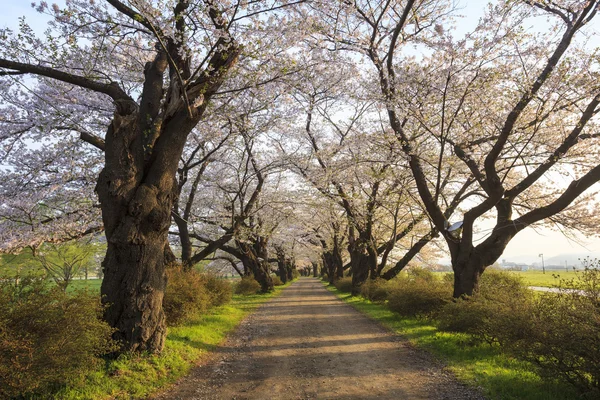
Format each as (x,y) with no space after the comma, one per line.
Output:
(350,133)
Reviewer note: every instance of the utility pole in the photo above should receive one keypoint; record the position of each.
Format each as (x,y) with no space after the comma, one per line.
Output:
(543,267)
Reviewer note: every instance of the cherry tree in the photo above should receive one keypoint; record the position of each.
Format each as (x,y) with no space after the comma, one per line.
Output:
(514,109)
(153,67)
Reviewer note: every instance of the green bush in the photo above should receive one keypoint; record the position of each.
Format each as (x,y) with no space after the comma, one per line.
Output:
(420,293)
(564,338)
(295,274)
(247,286)
(219,289)
(186,295)
(48,338)
(558,332)
(325,277)
(276,280)
(344,284)
(500,312)
(375,290)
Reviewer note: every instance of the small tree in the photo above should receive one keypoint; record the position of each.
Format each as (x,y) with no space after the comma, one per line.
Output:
(63,262)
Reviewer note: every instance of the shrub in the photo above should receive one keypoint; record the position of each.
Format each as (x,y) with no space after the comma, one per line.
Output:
(295,274)
(325,277)
(563,340)
(186,295)
(277,280)
(219,289)
(247,286)
(499,312)
(375,290)
(48,338)
(420,293)
(344,284)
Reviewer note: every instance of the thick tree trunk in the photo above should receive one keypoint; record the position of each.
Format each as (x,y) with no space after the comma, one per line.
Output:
(329,266)
(470,262)
(281,264)
(282,270)
(363,259)
(134,268)
(136,197)
(258,267)
(337,261)
(315,268)
(466,278)
(291,266)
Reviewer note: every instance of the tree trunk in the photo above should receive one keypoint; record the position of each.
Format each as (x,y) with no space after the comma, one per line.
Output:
(470,262)
(290,265)
(466,278)
(258,268)
(136,192)
(134,268)
(186,243)
(281,264)
(282,270)
(363,259)
(315,267)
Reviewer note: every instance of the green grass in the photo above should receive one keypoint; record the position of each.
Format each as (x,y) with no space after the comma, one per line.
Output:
(538,278)
(138,376)
(93,285)
(476,364)
(549,279)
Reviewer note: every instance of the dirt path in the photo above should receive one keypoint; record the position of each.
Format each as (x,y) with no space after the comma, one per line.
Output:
(307,344)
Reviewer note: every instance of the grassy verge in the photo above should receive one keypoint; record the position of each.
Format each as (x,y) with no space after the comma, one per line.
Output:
(476,364)
(134,377)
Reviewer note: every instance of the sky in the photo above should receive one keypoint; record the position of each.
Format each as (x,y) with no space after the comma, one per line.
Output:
(528,244)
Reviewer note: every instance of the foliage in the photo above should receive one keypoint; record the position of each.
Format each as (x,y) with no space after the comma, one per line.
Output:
(563,335)
(344,285)
(219,289)
(375,289)
(48,338)
(185,297)
(19,264)
(295,274)
(276,280)
(555,331)
(499,312)
(419,293)
(190,293)
(63,262)
(247,286)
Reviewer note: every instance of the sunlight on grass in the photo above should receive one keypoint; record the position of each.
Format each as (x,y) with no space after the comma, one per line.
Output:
(474,363)
(549,279)
(137,376)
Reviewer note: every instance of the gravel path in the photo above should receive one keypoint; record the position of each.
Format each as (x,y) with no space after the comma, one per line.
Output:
(308,344)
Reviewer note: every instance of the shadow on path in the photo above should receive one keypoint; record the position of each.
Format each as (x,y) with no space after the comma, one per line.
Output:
(307,344)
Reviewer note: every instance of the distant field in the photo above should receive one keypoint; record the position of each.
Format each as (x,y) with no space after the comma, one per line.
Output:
(549,279)
(538,278)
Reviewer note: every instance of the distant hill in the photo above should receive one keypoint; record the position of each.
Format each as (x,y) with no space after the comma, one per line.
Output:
(572,259)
